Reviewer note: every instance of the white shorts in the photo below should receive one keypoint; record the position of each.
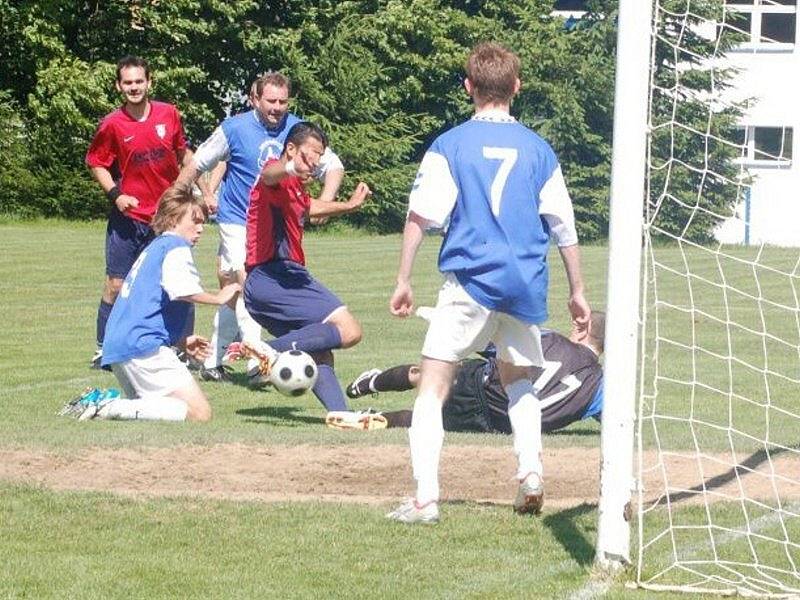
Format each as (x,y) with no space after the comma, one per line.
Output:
(158,374)
(232,247)
(460,326)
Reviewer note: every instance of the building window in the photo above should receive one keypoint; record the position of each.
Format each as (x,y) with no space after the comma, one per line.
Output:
(765,146)
(767,24)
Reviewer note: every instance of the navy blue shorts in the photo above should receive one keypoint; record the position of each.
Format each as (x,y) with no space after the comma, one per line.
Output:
(282,296)
(125,240)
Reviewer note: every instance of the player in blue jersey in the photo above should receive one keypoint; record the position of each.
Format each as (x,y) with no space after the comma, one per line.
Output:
(246,142)
(497,189)
(150,317)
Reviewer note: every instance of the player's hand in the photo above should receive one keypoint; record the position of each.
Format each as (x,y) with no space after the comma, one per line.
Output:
(401,303)
(359,196)
(211,203)
(198,347)
(580,312)
(125,202)
(229,294)
(304,164)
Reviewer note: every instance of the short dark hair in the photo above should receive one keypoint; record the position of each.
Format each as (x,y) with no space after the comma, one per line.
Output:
(132,61)
(303,130)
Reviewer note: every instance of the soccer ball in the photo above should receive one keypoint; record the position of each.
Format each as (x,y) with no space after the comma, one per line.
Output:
(293,373)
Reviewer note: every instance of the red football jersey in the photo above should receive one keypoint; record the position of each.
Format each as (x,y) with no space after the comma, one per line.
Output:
(275,221)
(144,153)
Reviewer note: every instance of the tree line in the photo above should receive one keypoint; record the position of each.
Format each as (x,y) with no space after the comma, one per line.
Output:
(382,77)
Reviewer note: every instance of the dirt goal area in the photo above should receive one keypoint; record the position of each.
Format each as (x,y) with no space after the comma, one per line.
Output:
(375,474)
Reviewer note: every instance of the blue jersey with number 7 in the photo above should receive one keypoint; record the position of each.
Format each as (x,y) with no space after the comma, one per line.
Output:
(482,181)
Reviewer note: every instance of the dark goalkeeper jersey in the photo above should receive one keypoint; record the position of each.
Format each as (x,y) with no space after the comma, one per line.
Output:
(567,384)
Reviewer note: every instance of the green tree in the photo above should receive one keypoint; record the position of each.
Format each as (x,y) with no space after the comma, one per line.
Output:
(692,174)
(383,77)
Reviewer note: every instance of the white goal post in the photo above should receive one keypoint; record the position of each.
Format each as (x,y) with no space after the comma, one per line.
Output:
(702,373)
(624,260)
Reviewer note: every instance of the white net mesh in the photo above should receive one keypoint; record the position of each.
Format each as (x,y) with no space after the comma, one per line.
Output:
(719,410)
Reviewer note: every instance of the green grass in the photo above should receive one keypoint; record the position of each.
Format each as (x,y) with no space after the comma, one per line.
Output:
(100,546)
(51,275)
(108,547)
(727,328)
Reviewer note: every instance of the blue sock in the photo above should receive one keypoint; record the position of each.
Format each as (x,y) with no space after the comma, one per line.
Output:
(318,337)
(327,389)
(102,318)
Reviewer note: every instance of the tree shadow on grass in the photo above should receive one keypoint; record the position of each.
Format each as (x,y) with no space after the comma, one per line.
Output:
(569,534)
(284,416)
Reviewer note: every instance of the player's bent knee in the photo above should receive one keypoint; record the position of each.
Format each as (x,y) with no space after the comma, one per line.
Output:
(198,408)
(351,337)
(349,330)
(199,413)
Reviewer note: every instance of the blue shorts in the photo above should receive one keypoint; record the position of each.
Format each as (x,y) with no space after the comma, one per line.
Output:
(282,296)
(125,240)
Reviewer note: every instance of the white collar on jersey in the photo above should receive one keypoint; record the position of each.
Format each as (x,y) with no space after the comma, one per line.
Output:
(495,115)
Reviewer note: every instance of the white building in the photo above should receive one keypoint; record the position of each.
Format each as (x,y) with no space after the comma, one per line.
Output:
(769,75)
(768,66)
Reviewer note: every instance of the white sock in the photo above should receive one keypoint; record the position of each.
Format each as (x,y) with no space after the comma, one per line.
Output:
(425,438)
(251,333)
(225,330)
(525,415)
(164,408)
(250,330)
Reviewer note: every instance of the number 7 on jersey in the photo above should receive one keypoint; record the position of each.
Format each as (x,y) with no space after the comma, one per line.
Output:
(508,156)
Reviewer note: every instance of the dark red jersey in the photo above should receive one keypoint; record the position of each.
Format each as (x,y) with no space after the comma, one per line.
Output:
(275,221)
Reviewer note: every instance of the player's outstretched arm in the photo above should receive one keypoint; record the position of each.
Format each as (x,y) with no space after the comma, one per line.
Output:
(227,295)
(327,208)
(331,181)
(577,304)
(401,303)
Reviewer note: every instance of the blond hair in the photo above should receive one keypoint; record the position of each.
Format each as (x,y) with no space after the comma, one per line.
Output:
(493,71)
(172,206)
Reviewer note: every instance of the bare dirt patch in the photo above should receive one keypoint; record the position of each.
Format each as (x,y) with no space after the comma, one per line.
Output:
(377,474)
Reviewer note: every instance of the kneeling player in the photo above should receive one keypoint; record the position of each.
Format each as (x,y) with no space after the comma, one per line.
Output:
(569,386)
(151,315)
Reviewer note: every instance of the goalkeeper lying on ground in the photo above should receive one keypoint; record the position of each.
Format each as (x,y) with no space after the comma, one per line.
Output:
(569,386)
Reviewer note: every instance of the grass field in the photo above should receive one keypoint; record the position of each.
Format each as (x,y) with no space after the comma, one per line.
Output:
(100,545)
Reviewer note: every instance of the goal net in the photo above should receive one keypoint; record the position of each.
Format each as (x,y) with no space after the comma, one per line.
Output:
(718,430)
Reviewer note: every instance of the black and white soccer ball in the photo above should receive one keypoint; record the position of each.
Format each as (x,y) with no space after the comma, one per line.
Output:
(293,373)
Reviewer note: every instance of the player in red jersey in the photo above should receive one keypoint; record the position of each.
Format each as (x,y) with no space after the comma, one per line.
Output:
(135,155)
(279,293)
